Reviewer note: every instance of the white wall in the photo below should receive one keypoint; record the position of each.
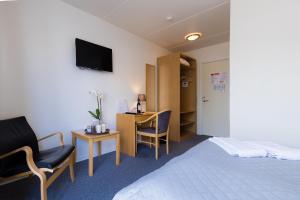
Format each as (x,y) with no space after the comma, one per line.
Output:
(264,70)
(205,55)
(39,78)
(10,73)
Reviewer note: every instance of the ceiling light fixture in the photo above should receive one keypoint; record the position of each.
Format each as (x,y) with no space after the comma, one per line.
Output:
(193,36)
(169,18)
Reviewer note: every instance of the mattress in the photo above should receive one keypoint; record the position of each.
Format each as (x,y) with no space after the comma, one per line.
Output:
(206,172)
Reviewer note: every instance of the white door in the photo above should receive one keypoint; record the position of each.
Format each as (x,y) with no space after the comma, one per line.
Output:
(215,99)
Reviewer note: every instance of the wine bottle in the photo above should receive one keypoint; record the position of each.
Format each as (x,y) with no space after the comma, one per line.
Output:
(138,107)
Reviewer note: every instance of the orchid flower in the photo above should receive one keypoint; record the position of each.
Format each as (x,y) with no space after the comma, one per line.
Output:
(98,113)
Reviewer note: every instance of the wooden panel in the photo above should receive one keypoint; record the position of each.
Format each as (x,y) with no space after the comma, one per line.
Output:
(150,88)
(182,101)
(168,78)
(126,126)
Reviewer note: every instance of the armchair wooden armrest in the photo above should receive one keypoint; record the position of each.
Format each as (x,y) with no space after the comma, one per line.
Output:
(27,150)
(155,114)
(147,120)
(29,160)
(60,134)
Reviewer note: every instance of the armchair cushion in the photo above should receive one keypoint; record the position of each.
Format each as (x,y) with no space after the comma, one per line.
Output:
(51,158)
(16,133)
(163,121)
(14,169)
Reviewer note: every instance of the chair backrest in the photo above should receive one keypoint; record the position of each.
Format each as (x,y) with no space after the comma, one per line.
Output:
(163,119)
(16,133)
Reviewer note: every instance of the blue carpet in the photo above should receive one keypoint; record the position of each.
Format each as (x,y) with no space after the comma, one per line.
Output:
(108,179)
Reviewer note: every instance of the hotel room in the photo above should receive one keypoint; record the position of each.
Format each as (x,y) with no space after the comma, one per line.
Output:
(149,100)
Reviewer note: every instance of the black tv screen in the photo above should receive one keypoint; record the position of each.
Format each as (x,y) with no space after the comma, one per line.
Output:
(93,56)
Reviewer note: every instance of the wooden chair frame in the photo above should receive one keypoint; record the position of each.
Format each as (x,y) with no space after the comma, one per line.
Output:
(41,172)
(157,136)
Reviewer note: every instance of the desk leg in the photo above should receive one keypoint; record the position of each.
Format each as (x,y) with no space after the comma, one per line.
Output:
(74,141)
(99,149)
(91,158)
(117,149)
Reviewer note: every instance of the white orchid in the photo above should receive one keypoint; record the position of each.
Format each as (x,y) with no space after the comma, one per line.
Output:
(96,93)
(99,95)
(93,92)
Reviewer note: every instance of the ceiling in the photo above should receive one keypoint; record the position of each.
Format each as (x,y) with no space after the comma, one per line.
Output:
(148,19)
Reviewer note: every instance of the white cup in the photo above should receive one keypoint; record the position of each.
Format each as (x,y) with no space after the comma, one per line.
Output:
(98,128)
(103,128)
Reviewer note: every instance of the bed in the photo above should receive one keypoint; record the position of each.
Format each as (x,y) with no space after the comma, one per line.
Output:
(207,172)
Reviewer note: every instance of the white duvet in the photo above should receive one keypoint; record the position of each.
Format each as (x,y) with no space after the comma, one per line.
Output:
(206,172)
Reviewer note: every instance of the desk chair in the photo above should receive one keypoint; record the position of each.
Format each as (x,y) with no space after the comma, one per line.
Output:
(20,156)
(156,126)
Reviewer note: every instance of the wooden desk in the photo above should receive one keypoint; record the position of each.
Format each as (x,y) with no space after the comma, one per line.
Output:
(126,125)
(91,139)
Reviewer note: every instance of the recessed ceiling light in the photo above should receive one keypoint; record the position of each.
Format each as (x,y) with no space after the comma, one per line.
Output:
(193,36)
(169,18)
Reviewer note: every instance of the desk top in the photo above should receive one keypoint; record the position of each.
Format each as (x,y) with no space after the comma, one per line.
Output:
(81,134)
(146,114)
(138,114)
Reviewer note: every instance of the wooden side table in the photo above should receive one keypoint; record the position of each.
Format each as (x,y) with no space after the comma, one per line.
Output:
(91,139)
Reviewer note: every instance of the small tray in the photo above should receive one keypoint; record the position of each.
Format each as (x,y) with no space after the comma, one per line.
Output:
(95,133)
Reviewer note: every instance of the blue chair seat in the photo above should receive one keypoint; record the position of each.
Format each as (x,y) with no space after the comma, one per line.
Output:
(147,130)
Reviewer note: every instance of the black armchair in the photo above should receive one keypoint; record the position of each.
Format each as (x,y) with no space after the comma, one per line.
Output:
(20,156)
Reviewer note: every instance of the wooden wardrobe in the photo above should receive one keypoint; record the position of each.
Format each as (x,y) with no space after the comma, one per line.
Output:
(176,85)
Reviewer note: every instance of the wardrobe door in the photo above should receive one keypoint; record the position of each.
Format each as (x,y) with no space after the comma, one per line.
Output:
(168,79)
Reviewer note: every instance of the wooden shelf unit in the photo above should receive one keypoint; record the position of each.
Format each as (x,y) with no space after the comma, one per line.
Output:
(186,112)
(186,123)
(187,135)
(177,87)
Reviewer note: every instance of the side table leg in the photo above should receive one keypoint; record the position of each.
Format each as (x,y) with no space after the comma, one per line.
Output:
(74,141)
(118,149)
(91,158)
(99,149)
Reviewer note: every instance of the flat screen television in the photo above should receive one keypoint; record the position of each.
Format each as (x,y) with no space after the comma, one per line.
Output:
(93,56)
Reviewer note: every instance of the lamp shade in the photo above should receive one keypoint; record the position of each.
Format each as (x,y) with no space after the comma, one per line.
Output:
(142,97)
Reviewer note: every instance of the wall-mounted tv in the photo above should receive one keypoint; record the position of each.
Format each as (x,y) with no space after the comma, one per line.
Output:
(93,56)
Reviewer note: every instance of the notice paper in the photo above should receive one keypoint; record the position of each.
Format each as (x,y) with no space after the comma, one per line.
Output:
(218,81)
